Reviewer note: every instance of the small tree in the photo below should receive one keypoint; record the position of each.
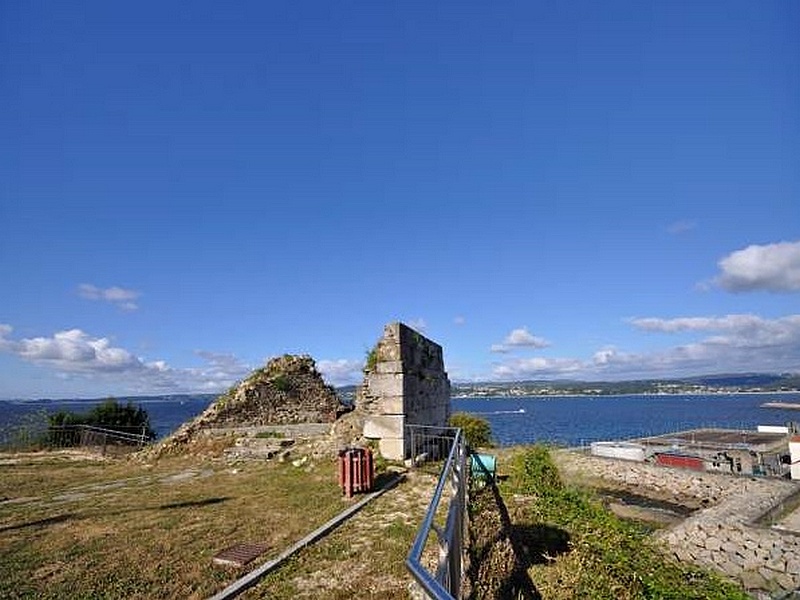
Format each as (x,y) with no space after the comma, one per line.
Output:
(477,431)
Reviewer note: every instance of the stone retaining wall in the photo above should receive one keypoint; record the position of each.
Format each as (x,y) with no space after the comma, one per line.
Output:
(724,535)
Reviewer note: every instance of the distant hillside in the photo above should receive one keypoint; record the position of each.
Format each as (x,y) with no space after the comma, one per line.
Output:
(747,382)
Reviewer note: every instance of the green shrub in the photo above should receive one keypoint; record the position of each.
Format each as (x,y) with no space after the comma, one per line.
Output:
(109,415)
(371,360)
(477,431)
(282,383)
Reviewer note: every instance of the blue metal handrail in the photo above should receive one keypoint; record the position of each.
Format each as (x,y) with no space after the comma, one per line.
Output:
(445,584)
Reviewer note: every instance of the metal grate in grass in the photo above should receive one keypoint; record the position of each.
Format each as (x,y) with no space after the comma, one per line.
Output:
(239,555)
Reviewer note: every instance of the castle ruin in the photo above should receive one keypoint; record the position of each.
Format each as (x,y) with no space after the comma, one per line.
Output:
(404,384)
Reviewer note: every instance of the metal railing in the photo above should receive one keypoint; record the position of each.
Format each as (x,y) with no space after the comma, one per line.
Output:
(99,438)
(429,443)
(451,492)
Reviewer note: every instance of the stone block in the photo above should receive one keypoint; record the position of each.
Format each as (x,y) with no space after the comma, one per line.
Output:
(393,405)
(389,366)
(408,379)
(392,448)
(786,582)
(730,547)
(713,543)
(730,568)
(385,384)
(752,580)
(384,426)
(777,564)
(793,565)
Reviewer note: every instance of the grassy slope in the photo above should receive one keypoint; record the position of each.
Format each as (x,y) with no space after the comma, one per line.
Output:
(578,549)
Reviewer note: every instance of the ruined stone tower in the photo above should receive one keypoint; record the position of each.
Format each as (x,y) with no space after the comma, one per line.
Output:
(404,384)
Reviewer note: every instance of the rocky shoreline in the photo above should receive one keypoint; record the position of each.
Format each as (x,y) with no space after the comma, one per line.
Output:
(726,531)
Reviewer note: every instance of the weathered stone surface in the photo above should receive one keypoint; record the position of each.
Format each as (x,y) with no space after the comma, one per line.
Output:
(405,380)
(392,405)
(288,390)
(713,544)
(384,426)
(752,580)
(390,447)
(785,581)
(386,384)
(793,565)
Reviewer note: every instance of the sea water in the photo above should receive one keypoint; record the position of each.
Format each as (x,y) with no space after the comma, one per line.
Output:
(580,420)
(562,420)
(166,413)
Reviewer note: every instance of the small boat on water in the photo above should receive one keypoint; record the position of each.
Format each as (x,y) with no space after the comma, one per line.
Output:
(783,405)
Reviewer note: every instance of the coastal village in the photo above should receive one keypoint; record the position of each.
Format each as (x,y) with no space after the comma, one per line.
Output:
(706,386)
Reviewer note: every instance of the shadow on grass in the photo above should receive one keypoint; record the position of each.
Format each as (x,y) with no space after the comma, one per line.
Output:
(190,503)
(40,522)
(539,544)
(501,551)
(384,479)
(518,584)
(81,517)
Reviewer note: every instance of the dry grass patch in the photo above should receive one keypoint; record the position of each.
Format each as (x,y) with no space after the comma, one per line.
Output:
(126,529)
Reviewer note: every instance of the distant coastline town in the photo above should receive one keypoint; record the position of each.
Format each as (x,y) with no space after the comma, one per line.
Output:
(714,384)
(705,385)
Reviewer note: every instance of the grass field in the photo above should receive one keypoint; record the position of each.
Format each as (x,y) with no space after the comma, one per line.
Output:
(76,527)
(85,528)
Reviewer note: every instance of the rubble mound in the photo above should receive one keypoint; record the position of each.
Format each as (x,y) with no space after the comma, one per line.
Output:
(288,390)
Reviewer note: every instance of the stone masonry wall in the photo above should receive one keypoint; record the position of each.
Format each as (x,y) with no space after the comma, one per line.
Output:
(725,535)
(404,383)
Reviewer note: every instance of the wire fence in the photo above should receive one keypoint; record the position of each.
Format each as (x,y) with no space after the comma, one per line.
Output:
(97,439)
(35,434)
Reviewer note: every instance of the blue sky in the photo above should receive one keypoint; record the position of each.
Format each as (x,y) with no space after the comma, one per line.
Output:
(596,190)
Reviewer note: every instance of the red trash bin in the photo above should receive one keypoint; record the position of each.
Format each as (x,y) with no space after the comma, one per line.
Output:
(356,471)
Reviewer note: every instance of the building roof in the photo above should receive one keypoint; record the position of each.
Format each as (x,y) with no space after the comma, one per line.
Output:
(720,439)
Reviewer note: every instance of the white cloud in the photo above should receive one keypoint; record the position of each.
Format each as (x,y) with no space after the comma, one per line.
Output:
(6,345)
(119,297)
(341,371)
(74,350)
(519,338)
(732,330)
(726,323)
(75,354)
(604,356)
(771,267)
(732,343)
(220,371)
(533,368)
(459,320)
